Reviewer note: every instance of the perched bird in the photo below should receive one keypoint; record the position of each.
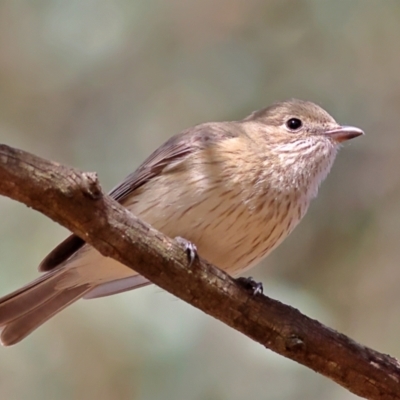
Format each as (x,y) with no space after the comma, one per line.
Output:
(233,189)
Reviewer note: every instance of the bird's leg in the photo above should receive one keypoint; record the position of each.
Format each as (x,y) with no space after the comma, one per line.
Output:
(250,284)
(189,247)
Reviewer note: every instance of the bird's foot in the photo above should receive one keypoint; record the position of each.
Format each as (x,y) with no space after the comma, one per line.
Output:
(250,284)
(189,247)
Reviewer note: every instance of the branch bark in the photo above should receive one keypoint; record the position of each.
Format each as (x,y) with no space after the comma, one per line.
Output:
(76,201)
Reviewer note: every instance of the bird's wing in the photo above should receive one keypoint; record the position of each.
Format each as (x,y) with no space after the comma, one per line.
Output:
(175,149)
(61,253)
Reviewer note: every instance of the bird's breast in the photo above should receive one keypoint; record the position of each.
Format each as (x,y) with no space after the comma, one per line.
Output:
(229,231)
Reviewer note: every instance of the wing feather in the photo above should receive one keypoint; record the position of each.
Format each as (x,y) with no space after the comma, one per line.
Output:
(176,148)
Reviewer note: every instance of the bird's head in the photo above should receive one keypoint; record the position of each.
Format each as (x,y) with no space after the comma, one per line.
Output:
(298,141)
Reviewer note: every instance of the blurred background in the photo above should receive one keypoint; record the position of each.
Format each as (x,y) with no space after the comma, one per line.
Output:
(99,84)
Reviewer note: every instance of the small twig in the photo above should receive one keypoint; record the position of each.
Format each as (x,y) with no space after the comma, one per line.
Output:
(75,200)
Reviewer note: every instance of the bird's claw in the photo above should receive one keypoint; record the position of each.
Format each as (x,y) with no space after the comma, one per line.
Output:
(251,284)
(189,247)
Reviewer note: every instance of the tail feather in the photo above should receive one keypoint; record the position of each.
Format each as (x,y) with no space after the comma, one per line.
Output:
(21,327)
(26,309)
(29,296)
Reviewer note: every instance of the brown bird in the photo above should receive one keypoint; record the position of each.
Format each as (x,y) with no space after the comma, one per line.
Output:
(234,189)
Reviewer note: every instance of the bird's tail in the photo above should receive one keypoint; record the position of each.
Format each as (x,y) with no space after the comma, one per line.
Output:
(24,310)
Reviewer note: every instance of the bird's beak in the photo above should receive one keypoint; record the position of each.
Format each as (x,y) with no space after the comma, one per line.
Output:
(343,133)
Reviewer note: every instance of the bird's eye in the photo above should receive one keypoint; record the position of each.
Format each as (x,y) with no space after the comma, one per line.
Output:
(294,124)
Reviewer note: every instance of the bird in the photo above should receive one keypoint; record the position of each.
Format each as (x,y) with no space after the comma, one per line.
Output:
(235,189)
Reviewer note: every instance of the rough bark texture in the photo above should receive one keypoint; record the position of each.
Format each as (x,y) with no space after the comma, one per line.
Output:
(76,201)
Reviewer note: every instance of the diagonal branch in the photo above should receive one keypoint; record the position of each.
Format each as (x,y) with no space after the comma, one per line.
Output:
(76,201)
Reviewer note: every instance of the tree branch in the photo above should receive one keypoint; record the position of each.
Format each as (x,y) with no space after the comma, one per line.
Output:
(76,201)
